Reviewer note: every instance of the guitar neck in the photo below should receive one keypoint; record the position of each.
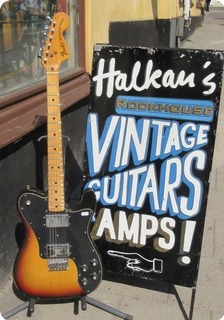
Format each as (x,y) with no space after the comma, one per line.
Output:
(56,199)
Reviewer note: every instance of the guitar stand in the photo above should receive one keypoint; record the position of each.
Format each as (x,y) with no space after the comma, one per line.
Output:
(30,305)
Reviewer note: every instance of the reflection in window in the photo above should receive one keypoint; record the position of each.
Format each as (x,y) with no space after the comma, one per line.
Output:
(22,24)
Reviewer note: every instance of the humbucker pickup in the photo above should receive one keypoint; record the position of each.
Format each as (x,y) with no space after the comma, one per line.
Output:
(58,220)
(59,250)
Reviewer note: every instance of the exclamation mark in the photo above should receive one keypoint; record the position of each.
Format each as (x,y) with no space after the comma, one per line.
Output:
(187,233)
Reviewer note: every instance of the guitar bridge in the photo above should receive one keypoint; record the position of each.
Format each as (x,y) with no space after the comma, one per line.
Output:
(57,264)
(57,255)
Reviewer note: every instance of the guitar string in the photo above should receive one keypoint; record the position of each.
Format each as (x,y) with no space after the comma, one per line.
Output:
(56,234)
(50,186)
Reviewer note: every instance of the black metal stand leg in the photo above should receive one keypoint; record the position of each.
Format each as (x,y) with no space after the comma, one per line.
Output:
(30,305)
(83,303)
(15,310)
(192,303)
(108,309)
(76,306)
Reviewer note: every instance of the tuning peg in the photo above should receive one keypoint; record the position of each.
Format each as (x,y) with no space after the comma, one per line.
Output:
(47,23)
(48,18)
(40,54)
(43,41)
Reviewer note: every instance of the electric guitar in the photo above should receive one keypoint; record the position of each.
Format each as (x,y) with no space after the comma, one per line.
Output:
(58,259)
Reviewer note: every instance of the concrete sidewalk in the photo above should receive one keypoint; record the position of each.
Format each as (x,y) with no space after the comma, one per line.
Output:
(163,302)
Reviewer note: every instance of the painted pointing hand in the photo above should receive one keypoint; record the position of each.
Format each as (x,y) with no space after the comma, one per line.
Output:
(138,263)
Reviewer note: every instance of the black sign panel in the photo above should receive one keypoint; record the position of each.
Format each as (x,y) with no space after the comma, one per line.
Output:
(149,147)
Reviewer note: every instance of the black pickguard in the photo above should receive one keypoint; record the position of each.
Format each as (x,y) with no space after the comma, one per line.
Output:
(33,206)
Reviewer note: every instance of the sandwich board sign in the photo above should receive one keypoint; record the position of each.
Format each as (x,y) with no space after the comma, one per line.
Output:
(149,148)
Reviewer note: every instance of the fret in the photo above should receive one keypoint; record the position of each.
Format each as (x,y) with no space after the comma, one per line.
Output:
(55,138)
(56,168)
(52,72)
(54,173)
(58,194)
(59,158)
(54,163)
(55,122)
(59,154)
(55,134)
(54,116)
(52,182)
(56,206)
(54,177)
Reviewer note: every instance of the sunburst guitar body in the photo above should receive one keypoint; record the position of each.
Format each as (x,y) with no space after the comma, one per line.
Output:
(58,259)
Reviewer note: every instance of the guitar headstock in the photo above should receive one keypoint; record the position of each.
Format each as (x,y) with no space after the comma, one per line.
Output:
(55,50)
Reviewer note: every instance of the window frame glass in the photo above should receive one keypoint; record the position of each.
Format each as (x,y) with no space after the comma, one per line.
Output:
(31,100)
(23,29)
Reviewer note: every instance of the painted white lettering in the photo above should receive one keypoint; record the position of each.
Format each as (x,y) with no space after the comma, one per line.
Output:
(166,242)
(134,176)
(135,229)
(202,137)
(188,142)
(105,222)
(206,81)
(98,148)
(149,227)
(158,133)
(173,139)
(128,230)
(149,187)
(189,206)
(115,79)
(170,181)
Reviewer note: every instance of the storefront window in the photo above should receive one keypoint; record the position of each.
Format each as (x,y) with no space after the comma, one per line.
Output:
(22,25)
